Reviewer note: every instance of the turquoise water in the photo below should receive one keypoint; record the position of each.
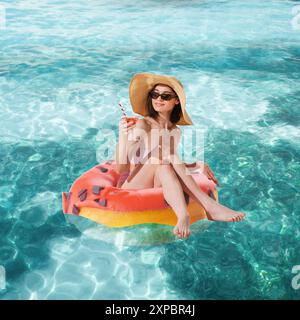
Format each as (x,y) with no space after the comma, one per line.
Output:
(63,67)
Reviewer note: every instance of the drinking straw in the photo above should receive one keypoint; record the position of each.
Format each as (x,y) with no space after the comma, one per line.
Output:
(122,109)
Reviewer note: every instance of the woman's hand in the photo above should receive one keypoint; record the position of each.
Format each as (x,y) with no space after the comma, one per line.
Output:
(208,172)
(125,127)
(204,168)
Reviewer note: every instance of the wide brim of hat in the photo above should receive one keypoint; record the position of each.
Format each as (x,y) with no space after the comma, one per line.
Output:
(142,83)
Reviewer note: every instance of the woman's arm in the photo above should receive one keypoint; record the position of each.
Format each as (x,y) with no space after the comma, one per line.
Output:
(121,163)
(129,139)
(204,167)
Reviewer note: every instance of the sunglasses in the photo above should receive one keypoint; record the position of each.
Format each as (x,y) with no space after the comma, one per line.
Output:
(164,96)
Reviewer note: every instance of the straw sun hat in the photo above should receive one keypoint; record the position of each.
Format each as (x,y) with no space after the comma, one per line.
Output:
(142,83)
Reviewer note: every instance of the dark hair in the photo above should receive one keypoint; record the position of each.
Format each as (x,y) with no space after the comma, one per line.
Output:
(175,114)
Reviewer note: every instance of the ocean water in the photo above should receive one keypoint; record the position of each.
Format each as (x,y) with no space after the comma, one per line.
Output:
(64,66)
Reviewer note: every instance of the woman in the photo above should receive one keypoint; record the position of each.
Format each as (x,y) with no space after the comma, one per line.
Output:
(161,100)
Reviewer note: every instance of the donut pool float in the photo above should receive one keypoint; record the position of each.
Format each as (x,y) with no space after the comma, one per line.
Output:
(94,196)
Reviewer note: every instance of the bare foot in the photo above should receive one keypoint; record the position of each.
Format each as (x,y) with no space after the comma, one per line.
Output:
(182,228)
(219,212)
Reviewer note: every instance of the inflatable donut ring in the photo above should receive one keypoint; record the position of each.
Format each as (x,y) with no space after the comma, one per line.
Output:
(94,196)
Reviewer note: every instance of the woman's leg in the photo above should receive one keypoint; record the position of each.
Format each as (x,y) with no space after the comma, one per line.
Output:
(163,175)
(215,210)
(144,178)
(174,195)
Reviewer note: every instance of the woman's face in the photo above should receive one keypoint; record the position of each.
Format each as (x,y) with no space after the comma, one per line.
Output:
(161,105)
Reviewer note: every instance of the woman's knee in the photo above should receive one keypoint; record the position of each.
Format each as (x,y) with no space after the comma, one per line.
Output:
(158,167)
(164,168)
(153,161)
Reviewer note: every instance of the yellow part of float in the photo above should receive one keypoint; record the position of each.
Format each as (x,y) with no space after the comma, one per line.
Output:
(124,219)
